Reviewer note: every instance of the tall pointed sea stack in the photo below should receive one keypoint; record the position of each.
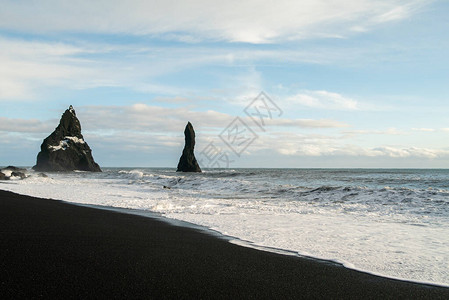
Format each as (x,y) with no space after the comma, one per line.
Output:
(65,149)
(187,162)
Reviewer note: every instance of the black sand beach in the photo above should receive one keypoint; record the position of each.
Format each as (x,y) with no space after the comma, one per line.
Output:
(52,249)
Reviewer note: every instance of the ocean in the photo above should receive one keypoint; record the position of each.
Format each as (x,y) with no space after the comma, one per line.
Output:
(391,222)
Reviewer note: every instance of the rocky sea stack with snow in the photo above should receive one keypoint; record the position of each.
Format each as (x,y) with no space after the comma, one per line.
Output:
(65,149)
(187,162)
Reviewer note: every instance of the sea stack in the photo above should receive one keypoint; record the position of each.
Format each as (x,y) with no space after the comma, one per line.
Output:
(65,149)
(187,162)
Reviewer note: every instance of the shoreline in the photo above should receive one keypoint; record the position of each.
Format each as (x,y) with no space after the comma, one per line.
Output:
(248,244)
(54,248)
(239,241)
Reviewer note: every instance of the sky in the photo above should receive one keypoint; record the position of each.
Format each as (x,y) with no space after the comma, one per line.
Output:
(275,84)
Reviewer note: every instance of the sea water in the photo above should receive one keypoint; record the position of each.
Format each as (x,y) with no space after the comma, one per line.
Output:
(392,222)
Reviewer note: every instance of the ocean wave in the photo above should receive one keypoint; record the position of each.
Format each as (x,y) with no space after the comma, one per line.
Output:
(248,185)
(379,220)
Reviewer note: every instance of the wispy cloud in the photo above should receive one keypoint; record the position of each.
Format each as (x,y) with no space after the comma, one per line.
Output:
(24,125)
(388,131)
(307,123)
(409,152)
(424,129)
(323,100)
(238,21)
(140,117)
(28,66)
(351,150)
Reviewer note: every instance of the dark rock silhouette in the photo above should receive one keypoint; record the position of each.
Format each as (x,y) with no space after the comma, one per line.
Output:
(11,171)
(65,149)
(13,168)
(187,162)
(18,174)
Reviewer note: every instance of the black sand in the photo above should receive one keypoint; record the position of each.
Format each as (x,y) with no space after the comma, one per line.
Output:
(51,249)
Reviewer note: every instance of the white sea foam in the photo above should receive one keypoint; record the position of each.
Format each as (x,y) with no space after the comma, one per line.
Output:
(7,172)
(391,223)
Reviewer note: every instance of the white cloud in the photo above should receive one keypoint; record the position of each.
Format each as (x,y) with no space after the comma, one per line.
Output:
(333,149)
(323,100)
(141,117)
(306,123)
(295,144)
(28,66)
(424,129)
(388,131)
(409,152)
(13,89)
(399,12)
(24,125)
(150,118)
(249,21)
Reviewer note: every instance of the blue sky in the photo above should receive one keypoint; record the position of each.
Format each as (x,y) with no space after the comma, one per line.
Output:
(360,83)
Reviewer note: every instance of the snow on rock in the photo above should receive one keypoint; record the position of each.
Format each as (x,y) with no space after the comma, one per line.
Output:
(75,139)
(64,144)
